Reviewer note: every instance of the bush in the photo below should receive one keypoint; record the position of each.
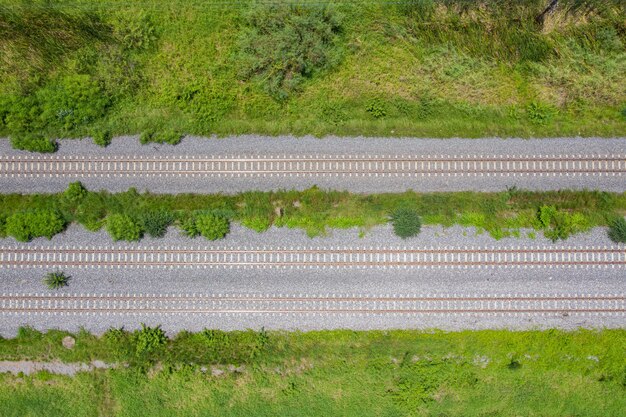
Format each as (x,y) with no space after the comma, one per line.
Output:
(75,192)
(167,136)
(102,138)
(123,227)
(617,230)
(283,44)
(559,224)
(212,226)
(27,225)
(72,101)
(146,137)
(33,143)
(377,108)
(56,280)
(150,339)
(406,222)
(155,223)
(188,226)
(539,113)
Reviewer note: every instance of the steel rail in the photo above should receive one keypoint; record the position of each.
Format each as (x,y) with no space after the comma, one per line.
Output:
(211,304)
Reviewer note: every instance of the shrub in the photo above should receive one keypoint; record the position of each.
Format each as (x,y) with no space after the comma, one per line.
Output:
(75,192)
(3,225)
(406,222)
(27,225)
(150,339)
(56,280)
(146,137)
(167,136)
(72,101)
(617,230)
(377,108)
(283,44)
(123,227)
(539,113)
(33,143)
(560,224)
(102,138)
(212,226)
(155,223)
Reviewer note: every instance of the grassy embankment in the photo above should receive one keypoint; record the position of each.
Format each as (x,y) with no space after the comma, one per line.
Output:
(558,214)
(441,68)
(381,373)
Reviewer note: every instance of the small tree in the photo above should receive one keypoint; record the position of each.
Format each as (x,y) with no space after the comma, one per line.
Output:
(56,280)
(617,230)
(406,222)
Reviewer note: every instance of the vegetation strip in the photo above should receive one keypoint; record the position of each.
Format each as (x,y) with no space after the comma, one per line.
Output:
(130,215)
(431,68)
(468,373)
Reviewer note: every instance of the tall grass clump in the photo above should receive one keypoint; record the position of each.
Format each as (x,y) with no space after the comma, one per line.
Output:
(55,280)
(617,230)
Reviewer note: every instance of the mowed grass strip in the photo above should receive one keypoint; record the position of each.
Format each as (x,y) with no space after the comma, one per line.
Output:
(472,373)
(433,68)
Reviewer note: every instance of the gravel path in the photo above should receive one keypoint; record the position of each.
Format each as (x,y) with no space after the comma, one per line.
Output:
(275,146)
(371,282)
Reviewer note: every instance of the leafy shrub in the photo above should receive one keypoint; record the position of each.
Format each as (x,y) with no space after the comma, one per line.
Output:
(146,137)
(72,101)
(258,224)
(27,225)
(155,223)
(559,224)
(406,222)
(212,226)
(75,192)
(102,138)
(539,113)
(56,280)
(33,143)
(617,230)
(167,136)
(123,227)
(135,31)
(283,44)
(3,224)
(150,339)
(377,108)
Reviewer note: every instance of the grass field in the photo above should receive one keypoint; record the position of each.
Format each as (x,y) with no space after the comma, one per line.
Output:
(437,68)
(557,214)
(382,373)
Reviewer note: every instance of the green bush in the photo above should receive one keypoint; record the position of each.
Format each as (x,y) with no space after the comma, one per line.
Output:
(188,226)
(3,224)
(212,226)
(406,222)
(150,339)
(283,44)
(377,108)
(27,225)
(617,230)
(102,137)
(123,227)
(72,101)
(539,113)
(156,222)
(33,143)
(56,280)
(558,224)
(146,137)
(167,136)
(75,192)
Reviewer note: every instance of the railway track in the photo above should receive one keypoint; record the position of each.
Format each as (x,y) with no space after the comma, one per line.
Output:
(272,304)
(312,166)
(28,256)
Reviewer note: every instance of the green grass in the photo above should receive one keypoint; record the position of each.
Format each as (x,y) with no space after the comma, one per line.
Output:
(390,373)
(187,67)
(556,213)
